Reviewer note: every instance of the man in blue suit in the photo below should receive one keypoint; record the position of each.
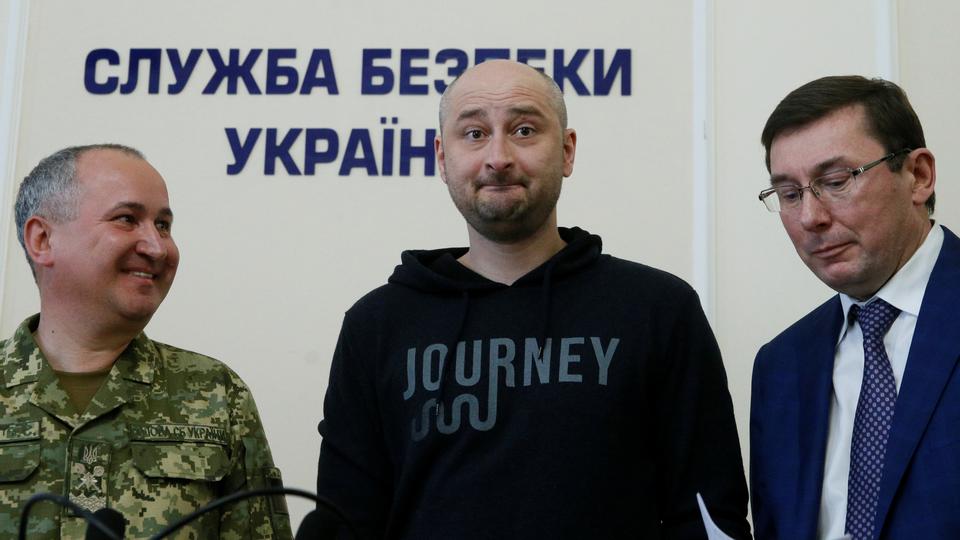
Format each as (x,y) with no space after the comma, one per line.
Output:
(855,415)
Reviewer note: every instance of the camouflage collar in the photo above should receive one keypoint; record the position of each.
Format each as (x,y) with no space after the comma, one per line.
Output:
(22,359)
(24,362)
(140,360)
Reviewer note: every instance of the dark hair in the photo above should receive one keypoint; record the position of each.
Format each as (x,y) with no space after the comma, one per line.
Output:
(891,119)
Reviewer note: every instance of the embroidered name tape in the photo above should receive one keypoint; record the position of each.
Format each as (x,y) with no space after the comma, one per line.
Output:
(178,433)
(19,431)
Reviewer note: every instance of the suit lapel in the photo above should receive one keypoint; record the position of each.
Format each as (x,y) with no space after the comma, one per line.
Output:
(815,359)
(933,356)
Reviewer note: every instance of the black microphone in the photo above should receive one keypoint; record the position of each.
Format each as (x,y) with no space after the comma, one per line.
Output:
(112,519)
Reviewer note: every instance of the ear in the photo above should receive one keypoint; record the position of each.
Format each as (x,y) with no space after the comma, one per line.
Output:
(441,157)
(36,238)
(569,151)
(923,169)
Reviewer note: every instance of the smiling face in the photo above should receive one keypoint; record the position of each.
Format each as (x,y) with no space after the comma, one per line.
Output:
(855,246)
(503,152)
(117,258)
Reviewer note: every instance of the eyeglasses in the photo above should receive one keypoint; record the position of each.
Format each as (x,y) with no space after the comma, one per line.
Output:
(830,188)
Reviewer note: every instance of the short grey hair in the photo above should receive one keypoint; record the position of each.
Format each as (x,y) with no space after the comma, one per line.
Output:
(51,190)
(556,98)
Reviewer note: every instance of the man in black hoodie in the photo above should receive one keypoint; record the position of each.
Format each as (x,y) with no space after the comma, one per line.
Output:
(527,386)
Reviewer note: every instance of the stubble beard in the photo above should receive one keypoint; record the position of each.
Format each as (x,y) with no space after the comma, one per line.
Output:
(511,221)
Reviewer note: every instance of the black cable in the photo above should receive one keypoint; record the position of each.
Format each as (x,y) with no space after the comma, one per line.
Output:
(63,501)
(258,493)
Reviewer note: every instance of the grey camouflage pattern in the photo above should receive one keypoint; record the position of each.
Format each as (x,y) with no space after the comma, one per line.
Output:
(169,431)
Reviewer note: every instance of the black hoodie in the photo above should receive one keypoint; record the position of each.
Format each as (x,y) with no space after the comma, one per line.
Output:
(586,400)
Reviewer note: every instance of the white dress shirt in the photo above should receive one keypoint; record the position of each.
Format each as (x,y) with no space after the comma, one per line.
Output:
(904,291)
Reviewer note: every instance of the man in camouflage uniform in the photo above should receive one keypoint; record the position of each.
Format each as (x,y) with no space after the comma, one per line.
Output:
(92,409)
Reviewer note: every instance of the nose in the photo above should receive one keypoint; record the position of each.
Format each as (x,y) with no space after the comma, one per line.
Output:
(813,214)
(499,153)
(151,243)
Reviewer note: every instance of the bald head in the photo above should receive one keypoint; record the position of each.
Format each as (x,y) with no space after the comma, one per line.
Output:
(502,74)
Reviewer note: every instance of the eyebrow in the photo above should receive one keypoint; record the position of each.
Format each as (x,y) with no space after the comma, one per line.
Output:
(138,207)
(526,110)
(825,166)
(517,110)
(471,113)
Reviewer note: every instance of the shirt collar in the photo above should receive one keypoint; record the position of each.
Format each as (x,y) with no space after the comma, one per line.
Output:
(905,289)
(24,362)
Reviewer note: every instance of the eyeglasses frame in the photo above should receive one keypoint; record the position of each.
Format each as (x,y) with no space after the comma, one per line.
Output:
(854,173)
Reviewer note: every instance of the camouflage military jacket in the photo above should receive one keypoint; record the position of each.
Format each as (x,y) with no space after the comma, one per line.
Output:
(168,432)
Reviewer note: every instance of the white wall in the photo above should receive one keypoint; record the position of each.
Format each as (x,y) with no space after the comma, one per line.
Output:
(13,27)
(668,176)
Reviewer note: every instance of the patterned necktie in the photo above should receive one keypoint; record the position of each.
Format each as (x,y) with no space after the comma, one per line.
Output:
(871,424)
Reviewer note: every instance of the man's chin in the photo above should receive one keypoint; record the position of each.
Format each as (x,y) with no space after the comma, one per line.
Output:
(508,223)
(139,311)
(501,210)
(505,231)
(139,316)
(842,279)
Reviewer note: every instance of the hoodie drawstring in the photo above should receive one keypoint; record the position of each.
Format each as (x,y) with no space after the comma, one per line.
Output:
(452,354)
(546,295)
(546,290)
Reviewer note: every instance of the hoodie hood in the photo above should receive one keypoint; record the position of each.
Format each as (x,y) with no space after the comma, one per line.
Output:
(437,270)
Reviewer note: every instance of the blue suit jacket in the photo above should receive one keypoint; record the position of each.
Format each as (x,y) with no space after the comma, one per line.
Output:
(789,415)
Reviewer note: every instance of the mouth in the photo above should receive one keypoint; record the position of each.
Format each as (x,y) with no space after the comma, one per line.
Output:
(501,187)
(501,181)
(142,275)
(830,251)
